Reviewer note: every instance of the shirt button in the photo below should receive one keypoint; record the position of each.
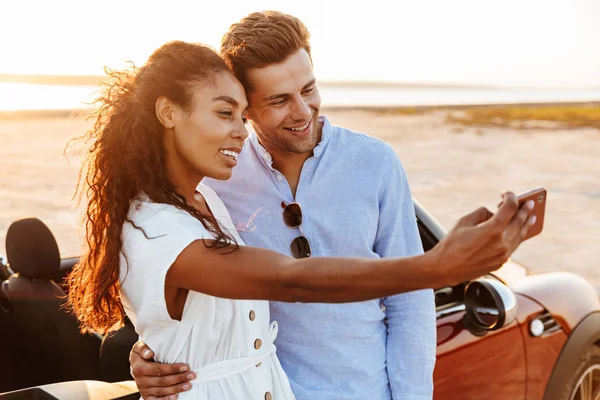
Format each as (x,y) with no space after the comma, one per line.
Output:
(252,315)
(267,156)
(279,177)
(268,396)
(258,365)
(257,344)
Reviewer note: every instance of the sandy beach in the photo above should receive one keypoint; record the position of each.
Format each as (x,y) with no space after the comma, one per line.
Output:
(452,170)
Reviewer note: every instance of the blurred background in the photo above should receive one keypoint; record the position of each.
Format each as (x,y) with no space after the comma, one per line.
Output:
(476,97)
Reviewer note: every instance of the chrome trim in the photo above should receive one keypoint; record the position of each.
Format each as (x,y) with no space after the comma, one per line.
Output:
(550,324)
(450,310)
(509,300)
(429,221)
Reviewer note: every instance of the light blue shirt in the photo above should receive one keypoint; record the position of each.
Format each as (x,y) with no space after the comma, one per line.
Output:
(355,201)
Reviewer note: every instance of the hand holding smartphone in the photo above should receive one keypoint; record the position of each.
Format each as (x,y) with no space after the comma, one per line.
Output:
(538,195)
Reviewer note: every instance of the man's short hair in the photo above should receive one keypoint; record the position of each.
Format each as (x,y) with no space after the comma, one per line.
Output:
(262,38)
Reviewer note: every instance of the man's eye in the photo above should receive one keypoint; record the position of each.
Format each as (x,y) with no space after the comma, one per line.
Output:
(278,103)
(309,90)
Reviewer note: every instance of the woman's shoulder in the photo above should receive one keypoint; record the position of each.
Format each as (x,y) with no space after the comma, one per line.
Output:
(219,210)
(209,193)
(159,219)
(215,203)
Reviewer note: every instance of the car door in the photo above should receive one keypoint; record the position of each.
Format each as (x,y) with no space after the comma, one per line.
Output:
(487,366)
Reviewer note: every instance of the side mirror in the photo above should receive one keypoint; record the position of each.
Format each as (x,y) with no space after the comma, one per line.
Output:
(490,305)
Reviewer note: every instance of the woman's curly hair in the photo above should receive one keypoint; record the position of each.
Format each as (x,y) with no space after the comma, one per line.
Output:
(125,156)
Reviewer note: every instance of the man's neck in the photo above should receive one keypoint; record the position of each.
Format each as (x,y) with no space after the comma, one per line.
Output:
(288,163)
(290,166)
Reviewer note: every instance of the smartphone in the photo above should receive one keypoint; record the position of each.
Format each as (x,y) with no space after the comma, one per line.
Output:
(538,195)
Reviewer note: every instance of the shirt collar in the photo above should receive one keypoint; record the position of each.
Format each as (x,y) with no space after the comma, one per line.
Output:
(267,159)
(262,153)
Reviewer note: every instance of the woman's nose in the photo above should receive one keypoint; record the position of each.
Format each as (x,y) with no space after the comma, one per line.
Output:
(240,132)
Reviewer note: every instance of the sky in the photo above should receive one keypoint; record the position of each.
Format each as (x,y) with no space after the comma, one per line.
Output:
(530,43)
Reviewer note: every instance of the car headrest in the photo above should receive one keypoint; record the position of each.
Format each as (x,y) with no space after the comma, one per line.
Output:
(32,250)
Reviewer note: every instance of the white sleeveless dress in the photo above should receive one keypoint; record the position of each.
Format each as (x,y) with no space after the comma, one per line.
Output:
(228,343)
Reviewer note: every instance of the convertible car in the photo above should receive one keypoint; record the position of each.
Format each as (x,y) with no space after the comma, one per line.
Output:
(508,335)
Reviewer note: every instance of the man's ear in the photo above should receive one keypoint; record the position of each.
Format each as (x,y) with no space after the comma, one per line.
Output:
(165,112)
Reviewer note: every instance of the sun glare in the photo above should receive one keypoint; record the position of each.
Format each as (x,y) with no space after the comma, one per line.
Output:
(22,96)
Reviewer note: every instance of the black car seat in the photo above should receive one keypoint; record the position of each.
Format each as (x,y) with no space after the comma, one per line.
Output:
(9,334)
(50,347)
(114,353)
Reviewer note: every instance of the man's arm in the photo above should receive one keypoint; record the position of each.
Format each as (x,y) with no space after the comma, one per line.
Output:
(411,340)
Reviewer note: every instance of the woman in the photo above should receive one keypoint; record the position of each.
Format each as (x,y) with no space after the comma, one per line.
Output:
(162,246)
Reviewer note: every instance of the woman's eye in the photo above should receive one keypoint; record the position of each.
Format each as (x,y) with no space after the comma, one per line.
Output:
(244,119)
(226,113)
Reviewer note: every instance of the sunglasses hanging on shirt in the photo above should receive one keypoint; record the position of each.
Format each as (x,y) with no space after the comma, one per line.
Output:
(292,216)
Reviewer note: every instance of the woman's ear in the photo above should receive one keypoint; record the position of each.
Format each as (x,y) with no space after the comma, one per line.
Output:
(165,112)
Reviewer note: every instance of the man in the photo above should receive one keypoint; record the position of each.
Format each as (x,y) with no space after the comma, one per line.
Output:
(354,200)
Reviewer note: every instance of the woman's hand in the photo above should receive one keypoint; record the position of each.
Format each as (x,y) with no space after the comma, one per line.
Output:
(481,242)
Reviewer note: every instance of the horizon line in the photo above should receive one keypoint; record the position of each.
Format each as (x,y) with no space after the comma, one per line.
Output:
(96,80)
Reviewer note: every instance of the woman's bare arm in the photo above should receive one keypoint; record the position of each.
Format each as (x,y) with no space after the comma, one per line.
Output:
(479,243)
(253,273)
